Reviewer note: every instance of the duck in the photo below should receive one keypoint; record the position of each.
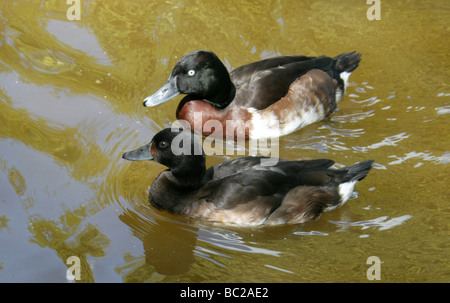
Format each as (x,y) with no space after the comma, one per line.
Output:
(243,191)
(260,100)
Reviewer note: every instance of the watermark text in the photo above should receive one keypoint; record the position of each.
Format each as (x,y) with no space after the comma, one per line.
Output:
(74,271)
(222,142)
(374,12)
(74,11)
(374,271)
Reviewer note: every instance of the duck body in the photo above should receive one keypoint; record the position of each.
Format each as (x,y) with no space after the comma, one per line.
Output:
(268,98)
(242,191)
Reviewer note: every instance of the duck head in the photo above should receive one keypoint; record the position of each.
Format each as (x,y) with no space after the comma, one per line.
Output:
(179,150)
(200,75)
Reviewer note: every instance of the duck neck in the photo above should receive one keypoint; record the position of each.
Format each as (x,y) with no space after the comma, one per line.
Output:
(219,101)
(188,174)
(225,94)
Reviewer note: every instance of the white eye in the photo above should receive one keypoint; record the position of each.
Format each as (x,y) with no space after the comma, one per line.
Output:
(191,72)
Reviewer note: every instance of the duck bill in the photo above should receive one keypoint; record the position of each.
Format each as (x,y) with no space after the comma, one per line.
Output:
(140,154)
(165,93)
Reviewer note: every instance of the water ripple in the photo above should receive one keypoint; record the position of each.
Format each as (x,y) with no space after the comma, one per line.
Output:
(443,110)
(331,141)
(445,158)
(353,117)
(388,141)
(382,222)
(232,241)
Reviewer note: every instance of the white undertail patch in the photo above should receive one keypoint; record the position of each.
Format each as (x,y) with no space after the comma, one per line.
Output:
(345,191)
(344,76)
(340,93)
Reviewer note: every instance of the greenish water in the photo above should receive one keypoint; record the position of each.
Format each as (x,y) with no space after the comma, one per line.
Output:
(71,103)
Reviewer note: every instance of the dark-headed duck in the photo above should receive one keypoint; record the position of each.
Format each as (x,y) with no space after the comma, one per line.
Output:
(242,191)
(267,98)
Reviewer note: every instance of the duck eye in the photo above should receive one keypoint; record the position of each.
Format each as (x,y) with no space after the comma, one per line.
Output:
(163,144)
(191,72)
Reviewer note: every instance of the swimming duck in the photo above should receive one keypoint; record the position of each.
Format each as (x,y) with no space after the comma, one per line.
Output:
(263,99)
(242,191)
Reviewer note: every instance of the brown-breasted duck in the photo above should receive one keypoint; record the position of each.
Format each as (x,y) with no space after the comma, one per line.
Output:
(263,99)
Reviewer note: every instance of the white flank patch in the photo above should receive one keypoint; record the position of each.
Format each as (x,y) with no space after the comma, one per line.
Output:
(265,124)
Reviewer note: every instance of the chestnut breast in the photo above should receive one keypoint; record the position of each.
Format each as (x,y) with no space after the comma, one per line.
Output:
(204,118)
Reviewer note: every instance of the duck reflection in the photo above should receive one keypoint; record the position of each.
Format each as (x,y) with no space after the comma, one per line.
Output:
(172,246)
(168,245)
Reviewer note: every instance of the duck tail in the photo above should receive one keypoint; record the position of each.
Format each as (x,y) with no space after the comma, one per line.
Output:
(347,62)
(353,174)
(358,171)
(344,65)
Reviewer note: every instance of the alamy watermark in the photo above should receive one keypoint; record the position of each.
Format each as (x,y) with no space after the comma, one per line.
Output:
(374,11)
(225,140)
(266,147)
(74,11)
(74,271)
(374,271)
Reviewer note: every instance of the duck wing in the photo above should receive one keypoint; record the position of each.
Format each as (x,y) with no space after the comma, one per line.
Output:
(285,167)
(235,166)
(262,83)
(241,74)
(244,179)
